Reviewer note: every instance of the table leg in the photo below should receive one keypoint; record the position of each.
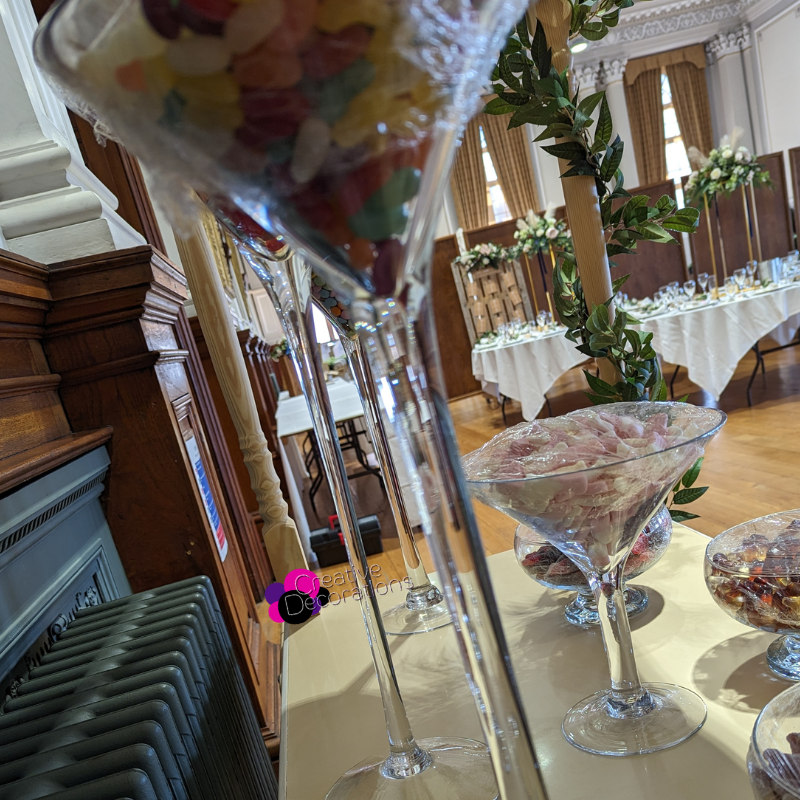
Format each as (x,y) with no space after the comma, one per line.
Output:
(672,381)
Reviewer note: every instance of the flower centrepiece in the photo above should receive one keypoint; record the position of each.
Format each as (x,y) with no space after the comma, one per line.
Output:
(723,171)
(486,255)
(537,234)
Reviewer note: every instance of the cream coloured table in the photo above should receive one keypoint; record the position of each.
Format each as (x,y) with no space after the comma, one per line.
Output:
(332,716)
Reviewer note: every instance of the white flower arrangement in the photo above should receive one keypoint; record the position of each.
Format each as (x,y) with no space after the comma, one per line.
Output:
(482,256)
(536,234)
(724,170)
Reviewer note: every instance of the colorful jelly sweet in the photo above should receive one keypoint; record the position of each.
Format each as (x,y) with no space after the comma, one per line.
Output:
(315,96)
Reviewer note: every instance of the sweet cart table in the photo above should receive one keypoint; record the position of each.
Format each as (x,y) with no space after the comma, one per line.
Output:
(332,716)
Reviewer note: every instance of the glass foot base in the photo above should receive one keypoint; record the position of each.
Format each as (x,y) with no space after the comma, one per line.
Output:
(460,769)
(583,609)
(675,714)
(783,657)
(403,621)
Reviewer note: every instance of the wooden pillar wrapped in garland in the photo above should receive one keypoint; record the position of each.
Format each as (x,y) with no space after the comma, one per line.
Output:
(580,191)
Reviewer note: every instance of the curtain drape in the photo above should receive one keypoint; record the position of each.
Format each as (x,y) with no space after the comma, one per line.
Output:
(690,98)
(468,180)
(646,114)
(511,157)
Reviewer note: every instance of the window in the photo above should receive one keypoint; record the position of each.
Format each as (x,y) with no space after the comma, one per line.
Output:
(677,160)
(495,199)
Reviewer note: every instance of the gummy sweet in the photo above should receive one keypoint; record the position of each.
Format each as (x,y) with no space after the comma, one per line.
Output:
(326,106)
(757,579)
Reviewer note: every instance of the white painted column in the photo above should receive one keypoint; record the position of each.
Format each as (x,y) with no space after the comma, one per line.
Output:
(612,75)
(51,207)
(731,87)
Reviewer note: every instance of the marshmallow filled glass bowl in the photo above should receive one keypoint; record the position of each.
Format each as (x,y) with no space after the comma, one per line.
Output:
(589,482)
(753,573)
(548,566)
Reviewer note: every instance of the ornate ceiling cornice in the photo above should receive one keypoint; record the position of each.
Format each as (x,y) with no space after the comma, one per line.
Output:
(723,44)
(678,23)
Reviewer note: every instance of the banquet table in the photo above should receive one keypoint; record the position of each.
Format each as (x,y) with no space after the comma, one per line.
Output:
(332,716)
(708,340)
(524,370)
(711,340)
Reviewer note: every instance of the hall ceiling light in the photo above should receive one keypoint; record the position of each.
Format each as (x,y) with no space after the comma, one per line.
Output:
(579,47)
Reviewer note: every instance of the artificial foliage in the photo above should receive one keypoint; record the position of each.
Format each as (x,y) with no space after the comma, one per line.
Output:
(531,90)
(537,234)
(482,256)
(723,172)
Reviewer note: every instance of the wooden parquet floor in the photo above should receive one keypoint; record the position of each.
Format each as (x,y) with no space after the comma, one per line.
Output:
(752,466)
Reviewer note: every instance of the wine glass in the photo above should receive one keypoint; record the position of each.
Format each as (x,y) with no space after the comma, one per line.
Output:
(750,270)
(731,286)
(424,608)
(350,177)
(540,474)
(712,285)
(702,281)
(740,277)
(689,287)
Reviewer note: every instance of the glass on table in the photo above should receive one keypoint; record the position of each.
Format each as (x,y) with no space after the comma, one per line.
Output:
(751,571)
(773,761)
(750,271)
(731,286)
(689,287)
(541,475)
(702,282)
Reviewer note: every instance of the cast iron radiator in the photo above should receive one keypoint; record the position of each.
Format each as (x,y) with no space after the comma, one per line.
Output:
(140,698)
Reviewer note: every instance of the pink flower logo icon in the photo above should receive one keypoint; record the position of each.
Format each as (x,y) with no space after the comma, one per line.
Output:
(297,599)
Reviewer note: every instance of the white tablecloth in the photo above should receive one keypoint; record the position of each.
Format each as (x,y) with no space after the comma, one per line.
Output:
(711,340)
(292,418)
(526,369)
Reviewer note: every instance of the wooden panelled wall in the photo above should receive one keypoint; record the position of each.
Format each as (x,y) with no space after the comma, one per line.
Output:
(120,335)
(774,221)
(794,168)
(654,266)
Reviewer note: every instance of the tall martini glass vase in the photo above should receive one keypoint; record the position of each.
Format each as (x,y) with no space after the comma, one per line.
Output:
(542,475)
(333,123)
(436,767)
(424,608)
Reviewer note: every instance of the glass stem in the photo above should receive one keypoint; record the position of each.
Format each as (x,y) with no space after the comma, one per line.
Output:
(423,426)
(423,594)
(627,697)
(290,295)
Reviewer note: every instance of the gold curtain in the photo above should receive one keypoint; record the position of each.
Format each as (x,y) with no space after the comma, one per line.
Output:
(468,180)
(646,115)
(690,97)
(695,54)
(511,157)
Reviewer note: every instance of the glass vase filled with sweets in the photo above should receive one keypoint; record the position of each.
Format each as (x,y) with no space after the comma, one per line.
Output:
(333,123)
(753,573)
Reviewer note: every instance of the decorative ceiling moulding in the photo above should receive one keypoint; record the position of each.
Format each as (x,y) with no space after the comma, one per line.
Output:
(657,26)
(725,44)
